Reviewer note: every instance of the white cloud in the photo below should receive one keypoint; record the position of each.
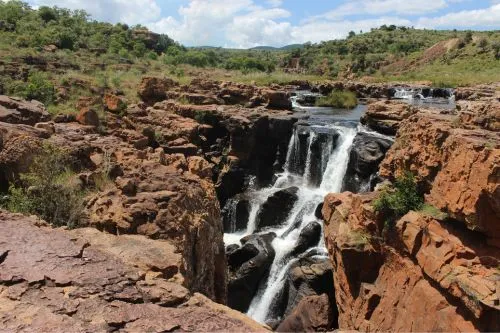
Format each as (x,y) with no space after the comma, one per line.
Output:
(489,17)
(243,23)
(274,3)
(260,27)
(131,12)
(328,30)
(202,22)
(377,7)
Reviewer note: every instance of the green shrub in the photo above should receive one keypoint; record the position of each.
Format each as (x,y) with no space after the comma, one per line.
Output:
(395,202)
(39,87)
(49,189)
(339,99)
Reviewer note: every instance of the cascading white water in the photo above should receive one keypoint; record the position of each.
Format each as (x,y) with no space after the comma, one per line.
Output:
(304,208)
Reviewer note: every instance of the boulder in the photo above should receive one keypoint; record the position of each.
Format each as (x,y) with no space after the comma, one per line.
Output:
(307,276)
(19,144)
(385,116)
(199,166)
(277,99)
(312,314)
(18,111)
(154,89)
(88,117)
(309,237)
(114,103)
(247,267)
(323,143)
(277,208)
(366,154)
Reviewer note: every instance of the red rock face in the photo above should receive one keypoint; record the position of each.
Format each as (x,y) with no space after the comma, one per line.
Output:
(426,277)
(457,167)
(85,280)
(425,274)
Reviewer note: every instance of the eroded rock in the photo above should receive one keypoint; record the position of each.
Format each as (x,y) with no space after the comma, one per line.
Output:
(85,280)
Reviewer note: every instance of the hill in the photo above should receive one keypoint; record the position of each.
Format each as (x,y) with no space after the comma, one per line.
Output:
(284,48)
(400,53)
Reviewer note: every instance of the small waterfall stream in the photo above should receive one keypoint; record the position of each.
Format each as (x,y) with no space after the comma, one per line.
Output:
(317,160)
(309,197)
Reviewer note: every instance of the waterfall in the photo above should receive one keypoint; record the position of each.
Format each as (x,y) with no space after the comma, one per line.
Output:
(336,161)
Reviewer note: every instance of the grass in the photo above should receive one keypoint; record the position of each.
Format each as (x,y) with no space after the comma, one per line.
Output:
(396,201)
(460,71)
(358,238)
(340,99)
(430,210)
(50,189)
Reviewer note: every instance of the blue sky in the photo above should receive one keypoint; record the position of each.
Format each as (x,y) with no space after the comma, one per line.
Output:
(248,23)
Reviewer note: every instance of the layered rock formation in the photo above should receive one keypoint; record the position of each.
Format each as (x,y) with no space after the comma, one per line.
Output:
(85,280)
(431,272)
(457,167)
(157,171)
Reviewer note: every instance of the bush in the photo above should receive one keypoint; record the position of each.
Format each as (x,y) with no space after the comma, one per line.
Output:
(395,202)
(49,189)
(339,99)
(39,87)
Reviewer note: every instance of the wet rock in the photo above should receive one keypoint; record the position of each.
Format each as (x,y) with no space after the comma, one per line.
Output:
(307,100)
(323,143)
(317,213)
(277,208)
(248,265)
(309,237)
(18,111)
(312,314)
(231,181)
(235,214)
(367,153)
(308,276)
(298,155)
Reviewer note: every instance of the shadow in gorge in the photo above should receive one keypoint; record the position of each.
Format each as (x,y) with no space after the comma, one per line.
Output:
(323,148)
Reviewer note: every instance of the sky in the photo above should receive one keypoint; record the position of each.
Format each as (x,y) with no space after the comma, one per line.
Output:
(249,23)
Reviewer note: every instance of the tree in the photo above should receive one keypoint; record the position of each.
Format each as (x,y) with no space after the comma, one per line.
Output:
(351,34)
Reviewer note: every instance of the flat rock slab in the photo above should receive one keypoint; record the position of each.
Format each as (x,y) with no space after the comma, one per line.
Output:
(84,280)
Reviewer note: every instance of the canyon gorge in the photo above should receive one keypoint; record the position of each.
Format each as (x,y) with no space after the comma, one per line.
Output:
(237,207)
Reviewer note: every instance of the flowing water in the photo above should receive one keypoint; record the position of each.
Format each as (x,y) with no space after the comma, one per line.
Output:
(317,159)
(433,97)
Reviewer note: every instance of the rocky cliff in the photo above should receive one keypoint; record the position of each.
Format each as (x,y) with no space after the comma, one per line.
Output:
(433,270)
(85,280)
(155,171)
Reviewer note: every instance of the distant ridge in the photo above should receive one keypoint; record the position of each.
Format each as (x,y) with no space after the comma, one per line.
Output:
(271,48)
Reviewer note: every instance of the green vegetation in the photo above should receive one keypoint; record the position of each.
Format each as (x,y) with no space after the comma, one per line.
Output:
(57,56)
(395,202)
(339,99)
(393,53)
(49,189)
(433,212)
